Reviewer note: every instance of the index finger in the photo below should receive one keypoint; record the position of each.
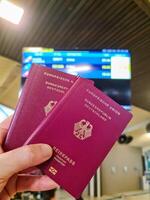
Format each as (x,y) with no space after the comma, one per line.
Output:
(3,133)
(4,128)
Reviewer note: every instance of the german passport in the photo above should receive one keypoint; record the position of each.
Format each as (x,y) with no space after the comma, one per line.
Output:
(43,89)
(81,129)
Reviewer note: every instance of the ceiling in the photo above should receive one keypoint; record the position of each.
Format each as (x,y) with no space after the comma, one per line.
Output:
(86,24)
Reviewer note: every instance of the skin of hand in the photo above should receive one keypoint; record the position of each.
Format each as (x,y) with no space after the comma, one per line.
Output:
(12,163)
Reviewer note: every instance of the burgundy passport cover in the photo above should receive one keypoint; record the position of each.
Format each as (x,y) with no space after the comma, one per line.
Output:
(43,89)
(81,129)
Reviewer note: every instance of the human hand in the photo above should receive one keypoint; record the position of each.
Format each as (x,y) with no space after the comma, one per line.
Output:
(15,161)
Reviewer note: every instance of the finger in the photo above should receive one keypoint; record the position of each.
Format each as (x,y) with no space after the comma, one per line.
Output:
(32,171)
(3,133)
(4,128)
(4,195)
(35,183)
(22,158)
(11,187)
(22,183)
(5,124)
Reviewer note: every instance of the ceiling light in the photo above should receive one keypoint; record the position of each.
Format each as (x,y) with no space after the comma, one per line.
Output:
(10,11)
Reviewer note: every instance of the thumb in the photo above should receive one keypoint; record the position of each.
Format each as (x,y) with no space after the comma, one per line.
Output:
(22,158)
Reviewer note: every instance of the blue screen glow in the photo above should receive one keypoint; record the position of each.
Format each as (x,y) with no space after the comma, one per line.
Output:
(104,64)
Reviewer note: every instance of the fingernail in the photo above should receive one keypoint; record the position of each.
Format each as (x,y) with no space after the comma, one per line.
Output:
(46,150)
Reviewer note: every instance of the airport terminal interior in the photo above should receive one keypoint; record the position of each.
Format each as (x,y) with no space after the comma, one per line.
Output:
(105,41)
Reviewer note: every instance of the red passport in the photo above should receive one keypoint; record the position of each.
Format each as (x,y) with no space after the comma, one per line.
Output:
(81,129)
(43,89)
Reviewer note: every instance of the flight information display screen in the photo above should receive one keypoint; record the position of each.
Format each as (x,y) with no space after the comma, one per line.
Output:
(109,68)
(104,64)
